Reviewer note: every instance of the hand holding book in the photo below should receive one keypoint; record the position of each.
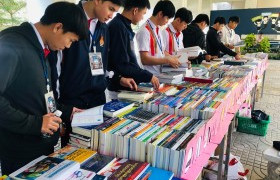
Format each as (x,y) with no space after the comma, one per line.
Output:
(173,61)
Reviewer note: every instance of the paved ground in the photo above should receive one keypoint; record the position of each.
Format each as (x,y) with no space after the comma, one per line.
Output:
(250,147)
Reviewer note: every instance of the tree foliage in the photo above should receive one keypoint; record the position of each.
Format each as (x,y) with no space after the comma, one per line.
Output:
(9,12)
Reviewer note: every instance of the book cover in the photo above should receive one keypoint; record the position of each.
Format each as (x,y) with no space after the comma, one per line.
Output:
(63,152)
(129,170)
(99,177)
(97,162)
(84,130)
(80,155)
(135,95)
(81,174)
(112,167)
(115,107)
(46,167)
(89,117)
(153,173)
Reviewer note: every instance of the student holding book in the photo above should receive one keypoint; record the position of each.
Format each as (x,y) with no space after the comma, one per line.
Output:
(83,76)
(25,83)
(121,54)
(213,42)
(194,36)
(228,33)
(172,35)
(149,39)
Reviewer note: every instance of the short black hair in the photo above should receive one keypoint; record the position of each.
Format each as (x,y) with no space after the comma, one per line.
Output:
(200,18)
(166,7)
(234,19)
(220,20)
(70,15)
(117,2)
(184,15)
(141,4)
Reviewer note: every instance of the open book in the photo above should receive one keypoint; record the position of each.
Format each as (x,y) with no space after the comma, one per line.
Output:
(92,116)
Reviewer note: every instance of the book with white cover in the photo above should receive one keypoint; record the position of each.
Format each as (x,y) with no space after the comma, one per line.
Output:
(81,174)
(192,51)
(92,116)
(170,75)
(183,57)
(46,168)
(135,95)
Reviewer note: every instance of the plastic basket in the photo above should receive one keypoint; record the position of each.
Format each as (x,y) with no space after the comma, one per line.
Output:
(247,125)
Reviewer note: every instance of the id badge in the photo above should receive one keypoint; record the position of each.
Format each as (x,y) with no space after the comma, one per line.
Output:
(96,63)
(50,102)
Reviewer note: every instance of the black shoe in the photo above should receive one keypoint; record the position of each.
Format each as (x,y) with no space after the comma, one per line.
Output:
(276,145)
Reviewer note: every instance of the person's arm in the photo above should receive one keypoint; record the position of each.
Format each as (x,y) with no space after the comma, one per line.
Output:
(12,118)
(119,80)
(214,40)
(119,55)
(200,40)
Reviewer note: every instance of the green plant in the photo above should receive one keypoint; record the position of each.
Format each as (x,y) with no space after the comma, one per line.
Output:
(250,41)
(264,45)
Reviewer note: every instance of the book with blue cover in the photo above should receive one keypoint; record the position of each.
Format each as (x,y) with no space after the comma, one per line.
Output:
(153,173)
(97,162)
(115,107)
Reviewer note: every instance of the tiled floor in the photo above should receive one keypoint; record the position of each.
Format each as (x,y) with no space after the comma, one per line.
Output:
(250,147)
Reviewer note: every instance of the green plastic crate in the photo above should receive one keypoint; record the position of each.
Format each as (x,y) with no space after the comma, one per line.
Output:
(247,125)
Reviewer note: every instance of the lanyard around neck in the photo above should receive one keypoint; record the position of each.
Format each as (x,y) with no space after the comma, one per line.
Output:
(93,39)
(45,69)
(230,31)
(175,37)
(156,36)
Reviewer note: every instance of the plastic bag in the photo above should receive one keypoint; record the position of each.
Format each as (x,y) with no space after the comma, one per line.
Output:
(257,116)
(235,169)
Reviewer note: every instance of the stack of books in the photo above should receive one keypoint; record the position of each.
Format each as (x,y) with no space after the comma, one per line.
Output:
(192,51)
(170,77)
(147,87)
(135,95)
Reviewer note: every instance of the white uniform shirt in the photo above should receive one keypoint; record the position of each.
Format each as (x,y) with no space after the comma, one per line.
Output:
(143,41)
(227,35)
(177,42)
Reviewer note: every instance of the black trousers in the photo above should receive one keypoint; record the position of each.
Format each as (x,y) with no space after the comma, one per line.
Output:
(9,165)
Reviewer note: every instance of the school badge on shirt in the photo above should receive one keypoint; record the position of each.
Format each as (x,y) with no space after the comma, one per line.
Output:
(101,41)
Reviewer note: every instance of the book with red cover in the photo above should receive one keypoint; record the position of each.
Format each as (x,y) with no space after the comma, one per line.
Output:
(124,169)
(129,170)
(196,79)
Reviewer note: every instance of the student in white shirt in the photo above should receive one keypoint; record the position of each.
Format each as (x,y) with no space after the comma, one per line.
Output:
(172,35)
(228,32)
(149,39)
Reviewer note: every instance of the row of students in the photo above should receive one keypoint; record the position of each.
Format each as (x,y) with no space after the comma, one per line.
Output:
(78,82)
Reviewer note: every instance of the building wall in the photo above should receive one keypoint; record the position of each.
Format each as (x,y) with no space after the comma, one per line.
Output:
(268,3)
